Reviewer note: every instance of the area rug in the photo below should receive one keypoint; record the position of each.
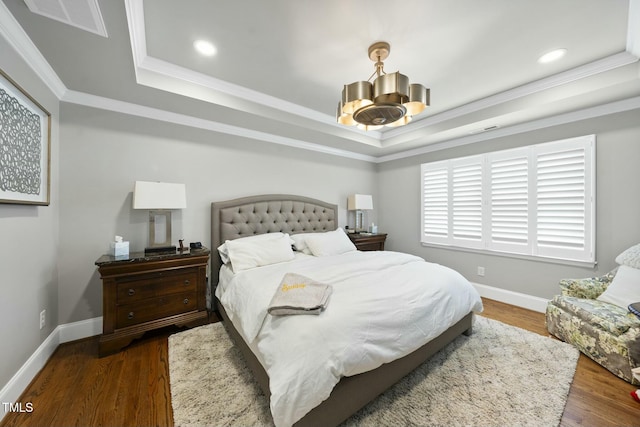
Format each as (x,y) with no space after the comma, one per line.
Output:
(499,376)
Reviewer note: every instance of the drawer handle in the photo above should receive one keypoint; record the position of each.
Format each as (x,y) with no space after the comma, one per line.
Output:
(130,316)
(131,292)
(186,301)
(186,282)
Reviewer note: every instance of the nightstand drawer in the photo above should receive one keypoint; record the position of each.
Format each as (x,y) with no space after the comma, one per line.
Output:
(154,308)
(145,286)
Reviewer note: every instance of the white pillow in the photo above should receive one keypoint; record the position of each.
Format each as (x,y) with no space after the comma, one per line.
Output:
(630,257)
(624,288)
(246,254)
(224,251)
(329,243)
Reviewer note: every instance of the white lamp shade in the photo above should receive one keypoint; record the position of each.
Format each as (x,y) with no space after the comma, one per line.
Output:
(159,195)
(359,202)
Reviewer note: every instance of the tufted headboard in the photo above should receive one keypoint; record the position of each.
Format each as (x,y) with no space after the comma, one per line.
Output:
(268,213)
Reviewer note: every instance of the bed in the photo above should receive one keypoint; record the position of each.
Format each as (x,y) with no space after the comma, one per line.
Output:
(297,216)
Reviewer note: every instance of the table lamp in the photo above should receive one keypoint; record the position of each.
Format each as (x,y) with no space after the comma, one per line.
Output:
(359,203)
(159,198)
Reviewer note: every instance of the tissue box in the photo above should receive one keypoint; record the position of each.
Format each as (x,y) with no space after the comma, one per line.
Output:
(119,248)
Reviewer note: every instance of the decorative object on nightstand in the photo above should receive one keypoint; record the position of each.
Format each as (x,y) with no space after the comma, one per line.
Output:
(144,292)
(368,241)
(159,198)
(119,248)
(359,203)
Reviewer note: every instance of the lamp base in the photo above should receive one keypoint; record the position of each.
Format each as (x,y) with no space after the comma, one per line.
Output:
(359,221)
(160,250)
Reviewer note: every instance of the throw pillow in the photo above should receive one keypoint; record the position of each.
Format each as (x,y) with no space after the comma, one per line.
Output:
(630,257)
(624,289)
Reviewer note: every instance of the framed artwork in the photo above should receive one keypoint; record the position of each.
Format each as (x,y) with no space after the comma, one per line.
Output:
(25,146)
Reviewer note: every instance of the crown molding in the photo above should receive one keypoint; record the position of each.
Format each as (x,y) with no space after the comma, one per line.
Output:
(147,68)
(633,28)
(561,119)
(94,101)
(152,65)
(13,33)
(137,36)
(11,30)
(182,74)
(597,67)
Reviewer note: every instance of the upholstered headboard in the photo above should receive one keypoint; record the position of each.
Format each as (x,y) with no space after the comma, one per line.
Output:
(268,213)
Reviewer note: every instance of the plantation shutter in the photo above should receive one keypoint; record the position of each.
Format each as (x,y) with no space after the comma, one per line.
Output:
(563,201)
(435,204)
(466,196)
(537,200)
(509,201)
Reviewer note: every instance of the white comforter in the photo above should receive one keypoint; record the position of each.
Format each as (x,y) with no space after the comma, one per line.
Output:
(384,306)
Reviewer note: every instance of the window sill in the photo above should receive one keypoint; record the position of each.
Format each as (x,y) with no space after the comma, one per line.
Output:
(575,263)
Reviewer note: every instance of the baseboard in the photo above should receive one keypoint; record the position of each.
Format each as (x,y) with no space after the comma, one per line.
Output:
(12,391)
(514,298)
(79,330)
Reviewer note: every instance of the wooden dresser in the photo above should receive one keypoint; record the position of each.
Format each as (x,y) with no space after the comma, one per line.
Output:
(145,292)
(368,241)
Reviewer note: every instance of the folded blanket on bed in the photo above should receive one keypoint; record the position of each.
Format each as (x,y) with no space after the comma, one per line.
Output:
(298,294)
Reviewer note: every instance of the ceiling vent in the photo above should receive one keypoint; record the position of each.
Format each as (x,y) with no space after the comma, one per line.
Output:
(487,129)
(83,14)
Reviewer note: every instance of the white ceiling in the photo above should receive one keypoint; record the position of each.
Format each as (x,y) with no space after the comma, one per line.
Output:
(281,64)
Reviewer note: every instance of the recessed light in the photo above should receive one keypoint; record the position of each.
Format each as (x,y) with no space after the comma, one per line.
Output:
(554,55)
(205,48)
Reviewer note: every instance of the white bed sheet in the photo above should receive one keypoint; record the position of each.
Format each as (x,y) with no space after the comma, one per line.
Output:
(384,305)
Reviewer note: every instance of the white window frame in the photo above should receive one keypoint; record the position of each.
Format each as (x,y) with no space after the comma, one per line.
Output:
(537,201)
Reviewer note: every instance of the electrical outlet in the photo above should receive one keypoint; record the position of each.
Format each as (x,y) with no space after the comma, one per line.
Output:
(43,317)
(480,271)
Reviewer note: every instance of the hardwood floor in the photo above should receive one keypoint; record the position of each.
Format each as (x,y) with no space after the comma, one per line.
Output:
(131,388)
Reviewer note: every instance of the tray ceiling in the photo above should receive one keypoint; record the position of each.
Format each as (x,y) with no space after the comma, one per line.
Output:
(280,65)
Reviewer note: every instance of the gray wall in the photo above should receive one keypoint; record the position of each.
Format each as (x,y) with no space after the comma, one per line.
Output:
(48,253)
(29,249)
(103,153)
(617,211)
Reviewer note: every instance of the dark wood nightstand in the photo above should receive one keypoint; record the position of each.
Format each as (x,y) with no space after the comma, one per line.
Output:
(145,292)
(368,241)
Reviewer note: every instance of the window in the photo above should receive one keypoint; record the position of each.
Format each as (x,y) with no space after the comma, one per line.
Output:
(537,200)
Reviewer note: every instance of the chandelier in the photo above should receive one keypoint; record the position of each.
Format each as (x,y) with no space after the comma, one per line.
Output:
(389,101)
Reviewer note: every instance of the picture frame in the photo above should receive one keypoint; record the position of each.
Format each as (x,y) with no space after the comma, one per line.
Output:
(25,146)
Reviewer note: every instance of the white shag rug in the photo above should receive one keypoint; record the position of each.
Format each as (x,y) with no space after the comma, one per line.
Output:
(499,376)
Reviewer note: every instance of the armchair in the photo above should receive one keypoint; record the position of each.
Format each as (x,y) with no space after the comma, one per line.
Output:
(605,332)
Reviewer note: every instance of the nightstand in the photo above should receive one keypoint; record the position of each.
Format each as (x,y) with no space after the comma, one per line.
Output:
(142,292)
(368,241)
